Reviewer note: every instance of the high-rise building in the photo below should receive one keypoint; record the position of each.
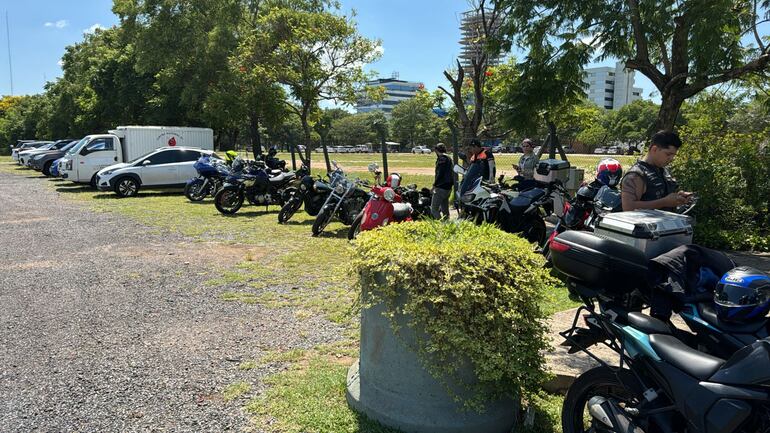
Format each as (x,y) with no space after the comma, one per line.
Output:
(472,41)
(395,92)
(610,87)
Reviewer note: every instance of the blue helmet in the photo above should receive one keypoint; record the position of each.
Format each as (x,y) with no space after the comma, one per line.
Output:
(742,295)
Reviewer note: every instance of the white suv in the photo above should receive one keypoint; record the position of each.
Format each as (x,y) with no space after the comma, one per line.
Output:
(167,167)
(420,149)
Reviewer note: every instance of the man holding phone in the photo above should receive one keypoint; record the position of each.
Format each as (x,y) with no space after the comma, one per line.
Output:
(648,184)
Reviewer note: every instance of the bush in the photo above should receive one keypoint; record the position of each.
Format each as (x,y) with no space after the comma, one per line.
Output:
(730,172)
(475,291)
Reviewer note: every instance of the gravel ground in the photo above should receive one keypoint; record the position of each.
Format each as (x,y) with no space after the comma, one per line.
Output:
(107,326)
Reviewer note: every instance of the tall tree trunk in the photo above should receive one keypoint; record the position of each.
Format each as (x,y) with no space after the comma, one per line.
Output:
(669,110)
(256,137)
(307,140)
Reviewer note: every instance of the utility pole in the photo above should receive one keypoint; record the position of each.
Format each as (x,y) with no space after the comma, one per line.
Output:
(8,37)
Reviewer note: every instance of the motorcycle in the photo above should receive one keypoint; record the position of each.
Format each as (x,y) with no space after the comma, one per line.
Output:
(313,192)
(521,213)
(211,175)
(582,212)
(389,203)
(255,184)
(345,200)
(660,383)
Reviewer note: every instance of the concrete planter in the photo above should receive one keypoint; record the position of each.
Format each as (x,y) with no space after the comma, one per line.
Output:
(389,384)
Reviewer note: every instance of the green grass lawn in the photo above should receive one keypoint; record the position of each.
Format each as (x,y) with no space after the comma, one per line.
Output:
(282,266)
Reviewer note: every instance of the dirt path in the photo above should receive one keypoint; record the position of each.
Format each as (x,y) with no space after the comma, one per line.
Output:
(106,325)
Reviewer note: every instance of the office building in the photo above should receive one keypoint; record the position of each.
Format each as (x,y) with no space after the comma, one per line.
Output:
(395,91)
(610,87)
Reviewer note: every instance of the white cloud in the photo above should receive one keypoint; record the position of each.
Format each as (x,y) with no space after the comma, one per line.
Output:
(60,63)
(93,28)
(58,24)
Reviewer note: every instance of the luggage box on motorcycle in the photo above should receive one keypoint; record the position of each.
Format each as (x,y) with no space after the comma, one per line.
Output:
(653,231)
(598,263)
(550,170)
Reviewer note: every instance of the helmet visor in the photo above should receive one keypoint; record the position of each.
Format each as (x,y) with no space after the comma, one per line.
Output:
(733,295)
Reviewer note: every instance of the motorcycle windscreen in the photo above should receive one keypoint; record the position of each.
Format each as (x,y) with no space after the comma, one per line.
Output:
(376,213)
(608,199)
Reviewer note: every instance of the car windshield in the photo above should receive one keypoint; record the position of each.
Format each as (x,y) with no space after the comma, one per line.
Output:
(69,146)
(74,149)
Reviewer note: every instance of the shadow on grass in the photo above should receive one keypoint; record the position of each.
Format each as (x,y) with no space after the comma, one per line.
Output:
(340,233)
(106,195)
(75,189)
(299,223)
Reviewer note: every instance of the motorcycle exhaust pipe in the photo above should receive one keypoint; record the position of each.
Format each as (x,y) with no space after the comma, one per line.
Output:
(611,416)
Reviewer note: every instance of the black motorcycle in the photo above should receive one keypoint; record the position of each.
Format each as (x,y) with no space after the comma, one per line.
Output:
(419,199)
(312,192)
(660,383)
(521,213)
(346,200)
(255,184)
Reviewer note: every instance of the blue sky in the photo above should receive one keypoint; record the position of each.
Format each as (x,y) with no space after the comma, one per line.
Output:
(419,37)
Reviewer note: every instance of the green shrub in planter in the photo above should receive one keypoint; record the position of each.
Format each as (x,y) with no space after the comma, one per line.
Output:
(472,290)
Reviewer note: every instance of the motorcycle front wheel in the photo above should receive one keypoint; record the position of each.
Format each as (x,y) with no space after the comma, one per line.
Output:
(228,201)
(322,220)
(289,209)
(194,190)
(355,228)
(620,386)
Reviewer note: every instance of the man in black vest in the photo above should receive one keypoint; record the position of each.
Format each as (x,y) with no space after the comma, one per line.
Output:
(648,184)
(443,183)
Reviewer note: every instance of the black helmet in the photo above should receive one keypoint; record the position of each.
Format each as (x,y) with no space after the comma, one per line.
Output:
(743,294)
(272,151)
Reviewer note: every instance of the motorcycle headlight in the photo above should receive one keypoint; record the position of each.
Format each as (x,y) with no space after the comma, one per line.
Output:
(468,197)
(339,189)
(389,194)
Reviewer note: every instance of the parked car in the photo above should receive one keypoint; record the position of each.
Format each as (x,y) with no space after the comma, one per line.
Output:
(166,167)
(43,161)
(599,150)
(421,150)
(127,143)
(26,156)
(27,146)
(614,150)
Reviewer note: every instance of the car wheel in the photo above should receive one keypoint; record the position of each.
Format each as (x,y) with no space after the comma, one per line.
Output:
(92,182)
(126,187)
(47,168)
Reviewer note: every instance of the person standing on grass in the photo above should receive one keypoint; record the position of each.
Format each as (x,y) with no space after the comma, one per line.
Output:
(442,184)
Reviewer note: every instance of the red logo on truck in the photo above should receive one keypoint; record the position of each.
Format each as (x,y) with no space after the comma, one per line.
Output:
(172,141)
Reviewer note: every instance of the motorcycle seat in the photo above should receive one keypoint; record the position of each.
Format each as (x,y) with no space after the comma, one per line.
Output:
(275,172)
(281,177)
(647,324)
(709,314)
(697,364)
(401,210)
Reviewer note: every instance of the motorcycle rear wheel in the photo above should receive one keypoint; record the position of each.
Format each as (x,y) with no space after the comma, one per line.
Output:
(322,220)
(355,228)
(228,201)
(600,381)
(289,209)
(194,190)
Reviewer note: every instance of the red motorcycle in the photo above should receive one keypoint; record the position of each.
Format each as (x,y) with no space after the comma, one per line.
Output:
(384,206)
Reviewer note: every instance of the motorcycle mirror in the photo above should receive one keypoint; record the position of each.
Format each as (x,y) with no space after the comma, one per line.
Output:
(458,169)
(373,167)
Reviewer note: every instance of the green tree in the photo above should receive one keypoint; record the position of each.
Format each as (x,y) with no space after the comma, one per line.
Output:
(356,129)
(318,55)
(633,123)
(412,120)
(682,46)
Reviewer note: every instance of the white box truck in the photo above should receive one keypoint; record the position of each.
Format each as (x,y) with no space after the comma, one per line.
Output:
(125,144)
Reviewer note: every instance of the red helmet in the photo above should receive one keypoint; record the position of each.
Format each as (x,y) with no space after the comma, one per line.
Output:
(609,172)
